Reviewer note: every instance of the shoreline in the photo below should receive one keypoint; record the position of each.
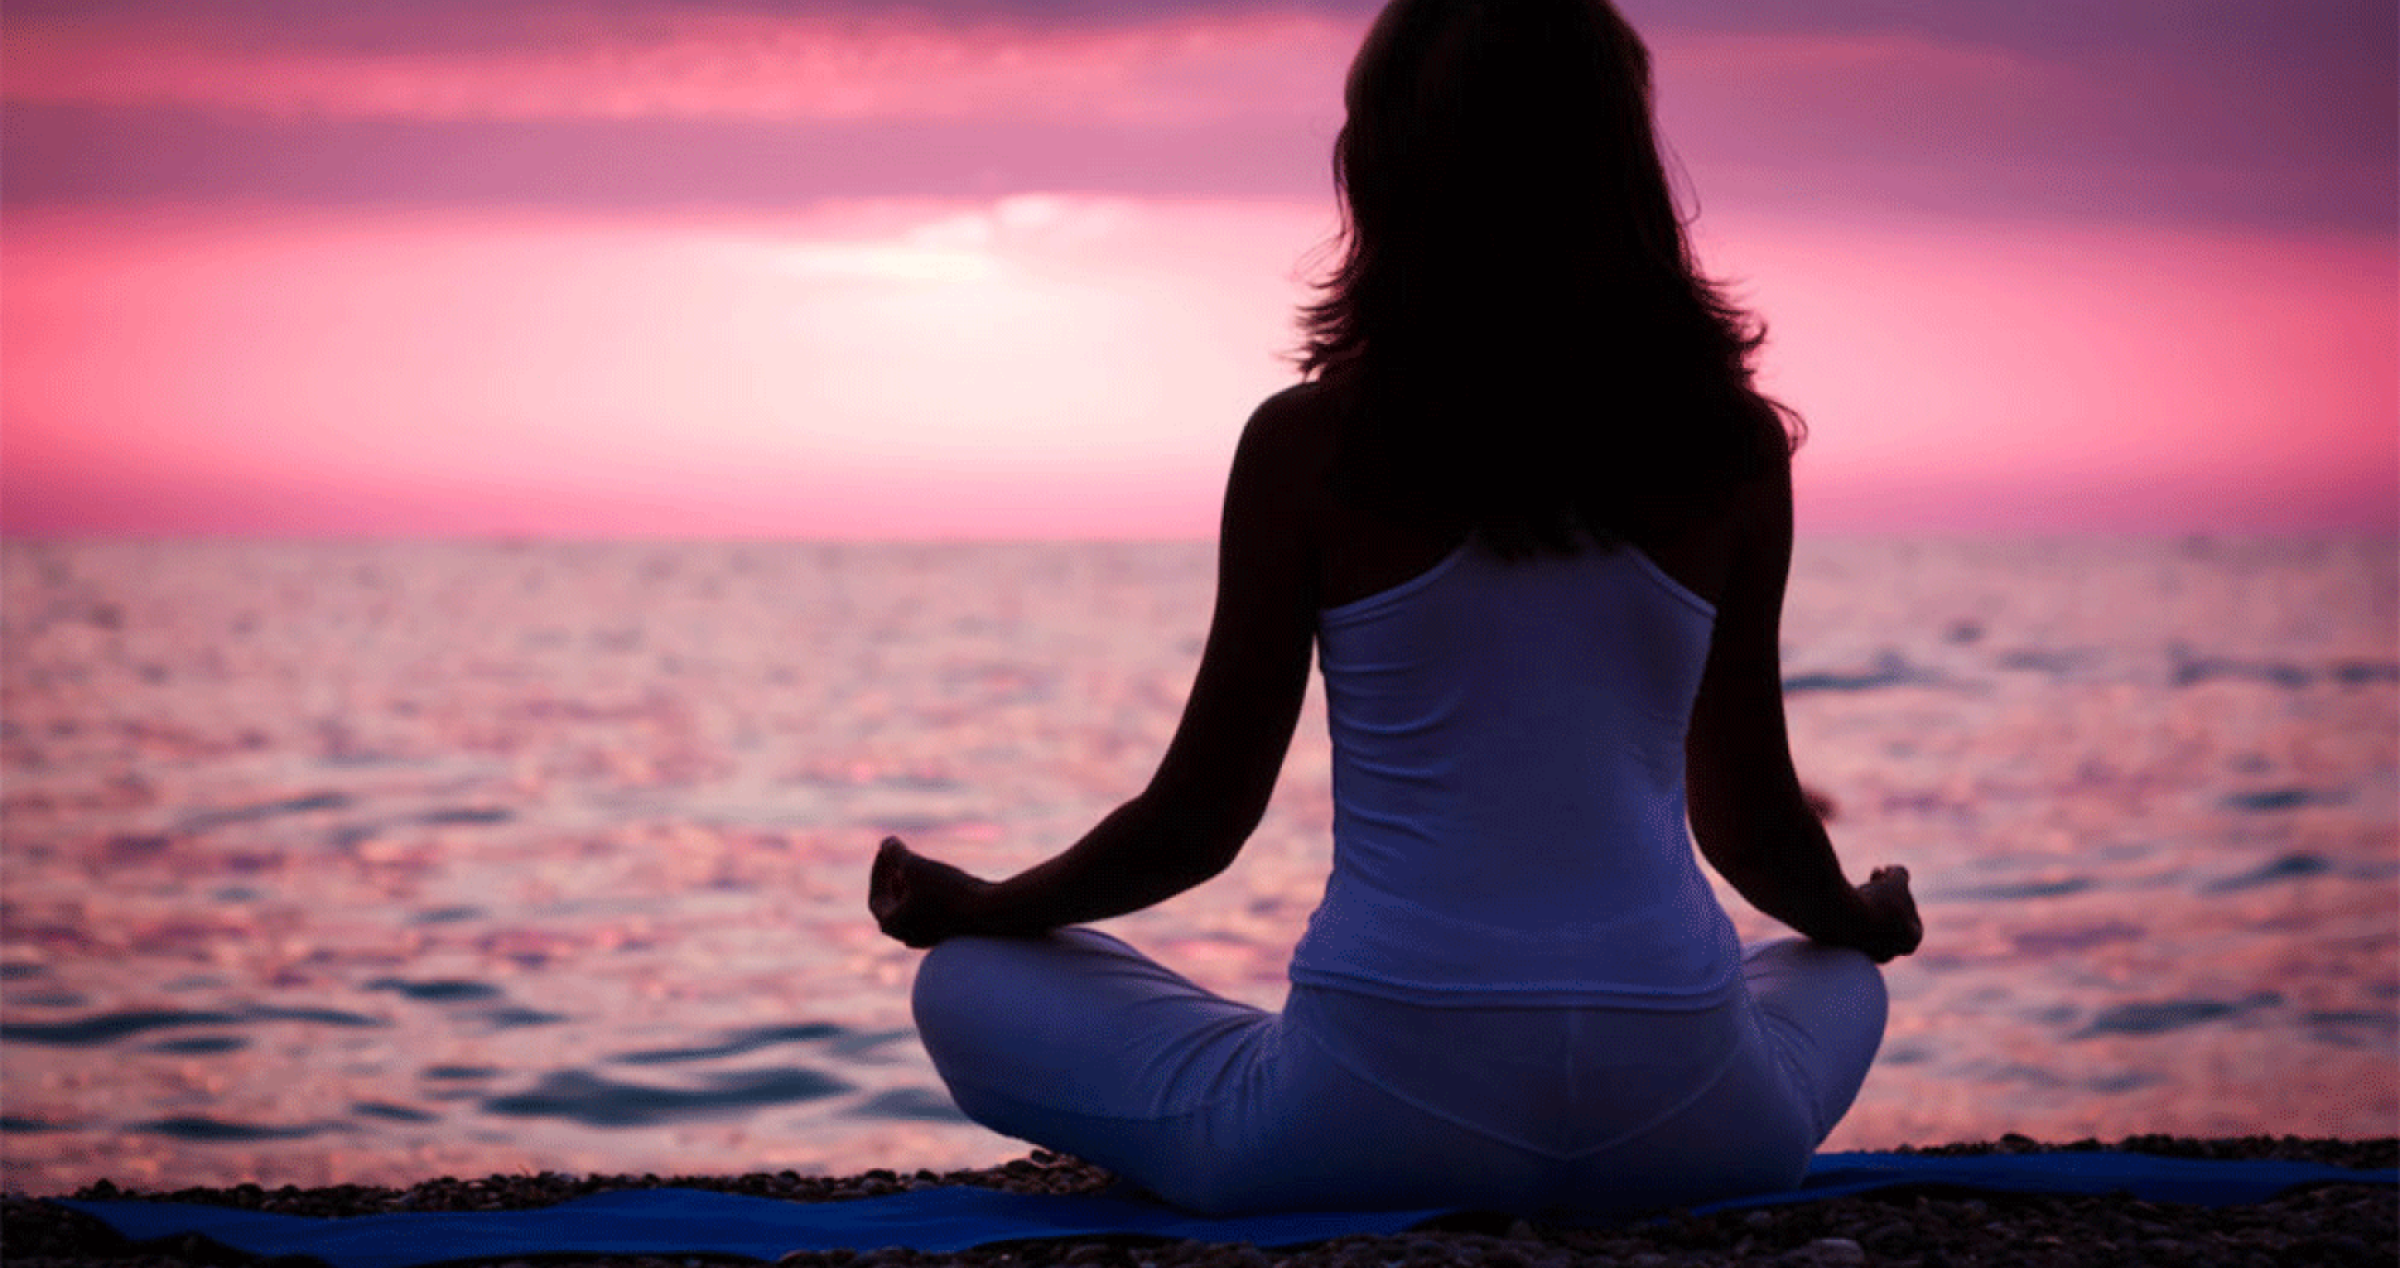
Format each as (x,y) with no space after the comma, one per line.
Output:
(2336,1224)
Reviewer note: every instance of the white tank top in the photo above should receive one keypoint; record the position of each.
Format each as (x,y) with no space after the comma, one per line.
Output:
(1508,789)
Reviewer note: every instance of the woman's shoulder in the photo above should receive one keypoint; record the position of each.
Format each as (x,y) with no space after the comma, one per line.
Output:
(1292,434)
(1308,408)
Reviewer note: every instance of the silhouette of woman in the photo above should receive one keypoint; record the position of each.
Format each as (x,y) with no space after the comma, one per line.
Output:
(1535,522)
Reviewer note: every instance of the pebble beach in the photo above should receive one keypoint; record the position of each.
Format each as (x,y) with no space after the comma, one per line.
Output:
(2332,1224)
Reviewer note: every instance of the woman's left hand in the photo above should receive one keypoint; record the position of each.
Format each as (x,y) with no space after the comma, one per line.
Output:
(918,900)
(1893,927)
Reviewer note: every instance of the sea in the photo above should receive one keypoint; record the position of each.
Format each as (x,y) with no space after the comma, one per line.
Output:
(366,862)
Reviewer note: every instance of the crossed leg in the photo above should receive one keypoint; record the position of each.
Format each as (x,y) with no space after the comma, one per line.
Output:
(1077,1042)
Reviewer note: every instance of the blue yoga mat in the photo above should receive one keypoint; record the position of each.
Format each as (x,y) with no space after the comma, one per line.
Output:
(694,1221)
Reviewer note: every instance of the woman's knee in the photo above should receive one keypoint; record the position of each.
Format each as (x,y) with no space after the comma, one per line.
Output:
(1003,1010)
(1857,980)
(955,976)
(967,974)
(1828,1001)
(1816,977)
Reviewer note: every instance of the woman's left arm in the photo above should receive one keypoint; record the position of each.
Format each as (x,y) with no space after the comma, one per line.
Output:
(1212,786)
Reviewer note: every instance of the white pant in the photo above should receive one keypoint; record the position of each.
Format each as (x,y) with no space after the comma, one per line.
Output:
(1081,1044)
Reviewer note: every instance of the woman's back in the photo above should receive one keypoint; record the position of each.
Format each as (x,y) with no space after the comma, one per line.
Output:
(1508,773)
(1508,739)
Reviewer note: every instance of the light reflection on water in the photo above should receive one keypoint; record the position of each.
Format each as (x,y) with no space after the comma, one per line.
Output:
(375,861)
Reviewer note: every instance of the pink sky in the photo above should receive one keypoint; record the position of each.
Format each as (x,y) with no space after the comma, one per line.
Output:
(626,268)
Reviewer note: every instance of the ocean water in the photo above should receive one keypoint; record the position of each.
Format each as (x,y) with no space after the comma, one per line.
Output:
(367,862)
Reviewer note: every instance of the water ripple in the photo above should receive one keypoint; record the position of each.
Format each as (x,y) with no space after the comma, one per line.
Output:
(736,1043)
(2268,800)
(2041,942)
(2158,1017)
(585,1098)
(199,1045)
(2191,670)
(314,1016)
(106,1028)
(49,999)
(513,1018)
(208,819)
(465,815)
(444,990)
(2291,866)
(219,1131)
(2012,891)
(2354,1027)
(1891,670)
(393,1113)
(455,1072)
(2043,660)
(110,1027)
(910,1104)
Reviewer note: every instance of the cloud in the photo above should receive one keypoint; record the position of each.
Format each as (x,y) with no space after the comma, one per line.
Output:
(381,27)
(2199,111)
(1982,128)
(84,156)
(733,66)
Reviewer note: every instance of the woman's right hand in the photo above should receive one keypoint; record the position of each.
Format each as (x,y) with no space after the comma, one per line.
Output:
(1891,927)
(917,900)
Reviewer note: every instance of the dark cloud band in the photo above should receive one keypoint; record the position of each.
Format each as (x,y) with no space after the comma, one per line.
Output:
(75,155)
(2218,111)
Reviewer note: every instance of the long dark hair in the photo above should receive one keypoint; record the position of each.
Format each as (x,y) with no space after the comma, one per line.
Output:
(1521,333)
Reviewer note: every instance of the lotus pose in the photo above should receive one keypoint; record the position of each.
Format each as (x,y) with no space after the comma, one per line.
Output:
(1535,522)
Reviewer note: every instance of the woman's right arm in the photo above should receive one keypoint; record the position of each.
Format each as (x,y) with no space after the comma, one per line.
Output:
(1752,819)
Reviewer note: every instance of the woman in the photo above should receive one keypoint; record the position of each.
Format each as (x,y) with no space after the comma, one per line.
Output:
(1536,523)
